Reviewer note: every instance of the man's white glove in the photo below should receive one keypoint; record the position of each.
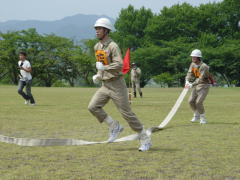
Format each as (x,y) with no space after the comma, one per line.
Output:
(96,79)
(100,66)
(188,84)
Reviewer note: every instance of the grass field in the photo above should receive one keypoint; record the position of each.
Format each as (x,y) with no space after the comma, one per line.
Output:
(182,151)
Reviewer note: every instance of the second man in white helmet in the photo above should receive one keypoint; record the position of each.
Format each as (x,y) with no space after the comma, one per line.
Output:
(198,79)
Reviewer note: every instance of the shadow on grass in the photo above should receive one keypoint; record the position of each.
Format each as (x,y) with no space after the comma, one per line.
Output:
(223,123)
(154,129)
(153,149)
(45,105)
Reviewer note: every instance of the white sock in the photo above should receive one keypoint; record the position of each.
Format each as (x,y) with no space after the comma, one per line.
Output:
(144,131)
(202,116)
(196,114)
(109,120)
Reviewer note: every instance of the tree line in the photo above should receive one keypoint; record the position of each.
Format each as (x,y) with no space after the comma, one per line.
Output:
(56,61)
(160,44)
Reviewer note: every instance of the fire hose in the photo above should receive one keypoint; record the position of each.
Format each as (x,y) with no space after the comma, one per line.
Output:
(71,142)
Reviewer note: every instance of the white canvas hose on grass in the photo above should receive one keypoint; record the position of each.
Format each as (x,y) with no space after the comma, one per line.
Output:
(71,142)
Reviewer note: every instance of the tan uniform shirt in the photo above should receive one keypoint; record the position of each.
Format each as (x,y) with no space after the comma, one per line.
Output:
(109,54)
(198,74)
(136,74)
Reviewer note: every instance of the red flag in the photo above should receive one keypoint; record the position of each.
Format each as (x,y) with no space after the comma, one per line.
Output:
(212,81)
(126,62)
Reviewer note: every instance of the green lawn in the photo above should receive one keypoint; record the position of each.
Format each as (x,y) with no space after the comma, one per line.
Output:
(181,151)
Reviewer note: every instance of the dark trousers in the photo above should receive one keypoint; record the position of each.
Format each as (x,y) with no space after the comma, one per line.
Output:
(28,94)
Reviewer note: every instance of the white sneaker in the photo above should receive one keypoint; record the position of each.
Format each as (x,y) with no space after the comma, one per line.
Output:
(195,118)
(26,102)
(145,141)
(203,119)
(114,131)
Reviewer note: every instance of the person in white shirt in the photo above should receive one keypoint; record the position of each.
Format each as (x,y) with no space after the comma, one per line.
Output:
(25,79)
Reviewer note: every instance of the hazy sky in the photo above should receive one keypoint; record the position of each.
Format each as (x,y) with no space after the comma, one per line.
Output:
(58,9)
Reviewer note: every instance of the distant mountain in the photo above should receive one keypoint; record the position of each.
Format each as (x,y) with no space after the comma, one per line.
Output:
(76,27)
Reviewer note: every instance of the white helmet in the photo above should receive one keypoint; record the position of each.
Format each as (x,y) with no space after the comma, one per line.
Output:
(196,53)
(104,22)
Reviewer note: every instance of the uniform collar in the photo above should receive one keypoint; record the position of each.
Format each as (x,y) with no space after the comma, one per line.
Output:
(106,42)
(198,65)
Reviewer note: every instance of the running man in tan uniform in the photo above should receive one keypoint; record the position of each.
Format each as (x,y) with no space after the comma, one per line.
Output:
(198,79)
(109,65)
(135,79)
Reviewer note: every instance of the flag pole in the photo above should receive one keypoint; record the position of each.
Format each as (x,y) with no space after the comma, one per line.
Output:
(125,70)
(129,87)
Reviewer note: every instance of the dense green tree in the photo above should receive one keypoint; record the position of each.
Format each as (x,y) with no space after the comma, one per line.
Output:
(9,55)
(130,26)
(225,60)
(171,23)
(164,79)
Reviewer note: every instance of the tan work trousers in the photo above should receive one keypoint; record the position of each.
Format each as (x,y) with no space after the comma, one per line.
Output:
(198,95)
(117,91)
(136,85)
